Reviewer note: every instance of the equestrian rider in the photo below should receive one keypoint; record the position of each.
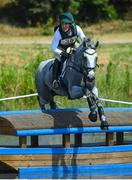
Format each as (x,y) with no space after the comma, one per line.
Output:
(66,35)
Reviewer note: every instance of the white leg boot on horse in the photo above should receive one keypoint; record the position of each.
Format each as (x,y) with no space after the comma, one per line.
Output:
(104,124)
(92,106)
(94,103)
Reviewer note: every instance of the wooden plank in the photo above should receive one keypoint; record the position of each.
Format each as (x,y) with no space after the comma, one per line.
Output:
(110,139)
(39,157)
(119,138)
(23,141)
(8,175)
(78,140)
(68,162)
(65,118)
(66,140)
(6,127)
(34,141)
(74,159)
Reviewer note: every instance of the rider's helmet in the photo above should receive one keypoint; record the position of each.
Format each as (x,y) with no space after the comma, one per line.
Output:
(66,18)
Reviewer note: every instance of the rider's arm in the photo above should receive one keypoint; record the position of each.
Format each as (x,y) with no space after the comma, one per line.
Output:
(80,33)
(55,43)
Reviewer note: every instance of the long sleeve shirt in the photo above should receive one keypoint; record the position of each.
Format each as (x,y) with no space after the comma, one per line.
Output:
(57,38)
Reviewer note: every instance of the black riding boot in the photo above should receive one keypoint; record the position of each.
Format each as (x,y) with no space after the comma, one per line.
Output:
(56,67)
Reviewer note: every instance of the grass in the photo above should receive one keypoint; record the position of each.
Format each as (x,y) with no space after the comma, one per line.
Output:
(22,54)
(19,63)
(22,49)
(103,27)
(116,81)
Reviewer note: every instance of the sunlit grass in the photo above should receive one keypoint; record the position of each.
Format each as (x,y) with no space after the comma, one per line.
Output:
(19,63)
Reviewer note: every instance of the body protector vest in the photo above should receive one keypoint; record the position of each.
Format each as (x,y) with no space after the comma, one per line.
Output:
(68,41)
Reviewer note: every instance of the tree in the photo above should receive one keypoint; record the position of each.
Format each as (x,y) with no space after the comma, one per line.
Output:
(94,10)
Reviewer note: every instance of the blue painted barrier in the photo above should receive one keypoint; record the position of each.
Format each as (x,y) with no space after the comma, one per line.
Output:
(71,150)
(60,110)
(54,131)
(76,171)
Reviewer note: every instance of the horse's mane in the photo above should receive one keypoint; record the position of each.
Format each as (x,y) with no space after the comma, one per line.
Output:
(78,52)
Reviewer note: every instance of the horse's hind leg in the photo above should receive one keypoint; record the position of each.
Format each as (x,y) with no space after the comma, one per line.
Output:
(44,94)
(42,106)
(53,104)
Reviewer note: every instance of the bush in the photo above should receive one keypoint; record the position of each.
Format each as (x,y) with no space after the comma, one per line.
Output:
(47,29)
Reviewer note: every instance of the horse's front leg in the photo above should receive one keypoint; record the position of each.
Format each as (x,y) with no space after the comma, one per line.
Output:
(102,117)
(104,124)
(92,106)
(94,102)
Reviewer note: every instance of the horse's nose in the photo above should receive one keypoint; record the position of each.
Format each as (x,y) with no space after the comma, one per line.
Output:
(91,76)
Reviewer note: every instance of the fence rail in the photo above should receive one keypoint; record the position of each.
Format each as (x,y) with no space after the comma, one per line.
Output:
(35,94)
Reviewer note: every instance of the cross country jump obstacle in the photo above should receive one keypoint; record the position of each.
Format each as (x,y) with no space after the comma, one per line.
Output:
(67,160)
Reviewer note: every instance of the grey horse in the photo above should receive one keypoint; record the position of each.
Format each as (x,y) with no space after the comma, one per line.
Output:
(77,80)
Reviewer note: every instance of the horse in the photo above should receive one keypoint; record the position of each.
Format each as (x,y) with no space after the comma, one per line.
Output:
(77,80)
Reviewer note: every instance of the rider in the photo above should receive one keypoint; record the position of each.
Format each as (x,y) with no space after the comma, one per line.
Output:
(66,34)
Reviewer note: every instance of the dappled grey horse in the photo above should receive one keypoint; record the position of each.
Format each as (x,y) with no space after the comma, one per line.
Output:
(77,80)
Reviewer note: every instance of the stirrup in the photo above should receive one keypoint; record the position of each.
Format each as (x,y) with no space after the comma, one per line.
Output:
(56,84)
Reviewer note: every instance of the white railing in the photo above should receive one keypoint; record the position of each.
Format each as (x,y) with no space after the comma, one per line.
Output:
(35,94)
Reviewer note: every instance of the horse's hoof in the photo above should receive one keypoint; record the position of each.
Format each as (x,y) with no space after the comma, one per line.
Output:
(53,105)
(93,116)
(104,125)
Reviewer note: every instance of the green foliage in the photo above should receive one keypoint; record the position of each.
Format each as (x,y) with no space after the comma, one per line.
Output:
(32,12)
(47,28)
(109,12)
(98,9)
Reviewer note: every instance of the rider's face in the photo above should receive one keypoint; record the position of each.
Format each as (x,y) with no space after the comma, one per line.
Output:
(65,27)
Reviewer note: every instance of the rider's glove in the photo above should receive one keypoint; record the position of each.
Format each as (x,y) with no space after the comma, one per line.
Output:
(64,55)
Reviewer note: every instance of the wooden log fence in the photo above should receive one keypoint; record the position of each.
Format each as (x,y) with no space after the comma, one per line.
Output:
(59,161)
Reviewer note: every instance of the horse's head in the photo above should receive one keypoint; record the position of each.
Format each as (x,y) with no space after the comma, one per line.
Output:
(89,59)
(85,58)
(80,69)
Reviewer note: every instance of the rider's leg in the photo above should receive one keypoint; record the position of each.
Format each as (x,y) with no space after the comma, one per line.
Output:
(56,67)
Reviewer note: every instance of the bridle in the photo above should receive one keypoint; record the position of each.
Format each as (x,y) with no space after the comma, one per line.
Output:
(80,68)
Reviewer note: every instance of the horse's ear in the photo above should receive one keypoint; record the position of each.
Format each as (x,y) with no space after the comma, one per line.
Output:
(96,44)
(86,41)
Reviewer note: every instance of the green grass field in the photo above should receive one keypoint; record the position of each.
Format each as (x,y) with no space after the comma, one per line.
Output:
(18,63)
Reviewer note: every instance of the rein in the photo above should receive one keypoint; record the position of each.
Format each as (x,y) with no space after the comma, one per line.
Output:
(77,61)
(79,69)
